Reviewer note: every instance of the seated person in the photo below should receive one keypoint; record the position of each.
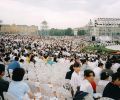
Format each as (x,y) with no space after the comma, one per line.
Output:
(98,70)
(18,87)
(3,84)
(84,64)
(112,90)
(88,85)
(68,78)
(21,63)
(69,74)
(14,64)
(104,80)
(108,69)
(80,95)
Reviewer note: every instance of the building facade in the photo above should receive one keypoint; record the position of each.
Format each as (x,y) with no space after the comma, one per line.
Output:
(75,31)
(104,26)
(44,28)
(19,29)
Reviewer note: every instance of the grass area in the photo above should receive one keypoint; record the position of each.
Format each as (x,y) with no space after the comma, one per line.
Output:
(97,49)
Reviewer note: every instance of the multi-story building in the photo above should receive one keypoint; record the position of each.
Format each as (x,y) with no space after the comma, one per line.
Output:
(104,26)
(19,29)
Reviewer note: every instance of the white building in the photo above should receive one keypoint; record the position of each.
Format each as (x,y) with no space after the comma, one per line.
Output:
(75,31)
(104,26)
(44,28)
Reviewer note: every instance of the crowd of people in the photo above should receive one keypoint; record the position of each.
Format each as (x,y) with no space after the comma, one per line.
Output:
(54,68)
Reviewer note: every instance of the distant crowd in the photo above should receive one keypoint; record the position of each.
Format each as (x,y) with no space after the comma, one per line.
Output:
(86,76)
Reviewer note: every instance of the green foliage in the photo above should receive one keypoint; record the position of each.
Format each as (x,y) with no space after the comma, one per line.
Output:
(98,49)
(69,32)
(58,32)
(81,32)
(43,32)
(117,33)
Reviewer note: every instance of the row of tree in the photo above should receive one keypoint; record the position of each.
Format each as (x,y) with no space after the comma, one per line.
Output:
(61,32)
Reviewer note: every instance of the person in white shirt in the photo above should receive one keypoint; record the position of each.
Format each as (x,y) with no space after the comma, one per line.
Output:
(115,66)
(86,85)
(91,64)
(21,63)
(17,87)
(98,70)
(77,77)
(84,65)
(104,80)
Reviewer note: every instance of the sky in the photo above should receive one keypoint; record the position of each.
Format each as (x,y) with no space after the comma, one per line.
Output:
(58,13)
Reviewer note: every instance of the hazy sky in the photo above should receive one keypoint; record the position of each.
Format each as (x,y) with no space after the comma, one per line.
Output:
(58,13)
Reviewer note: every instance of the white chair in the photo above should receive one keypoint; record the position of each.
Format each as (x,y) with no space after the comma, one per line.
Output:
(9,96)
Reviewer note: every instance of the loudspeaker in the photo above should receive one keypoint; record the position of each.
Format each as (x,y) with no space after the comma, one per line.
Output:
(93,38)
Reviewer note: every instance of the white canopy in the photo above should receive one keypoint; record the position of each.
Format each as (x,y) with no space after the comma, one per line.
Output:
(105,38)
(113,47)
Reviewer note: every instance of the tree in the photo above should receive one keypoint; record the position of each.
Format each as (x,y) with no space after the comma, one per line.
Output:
(56,32)
(81,32)
(69,32)
(117,33)
(60,32)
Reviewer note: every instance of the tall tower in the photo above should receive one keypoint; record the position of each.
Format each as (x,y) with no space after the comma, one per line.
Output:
(44,28)
(90,27)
